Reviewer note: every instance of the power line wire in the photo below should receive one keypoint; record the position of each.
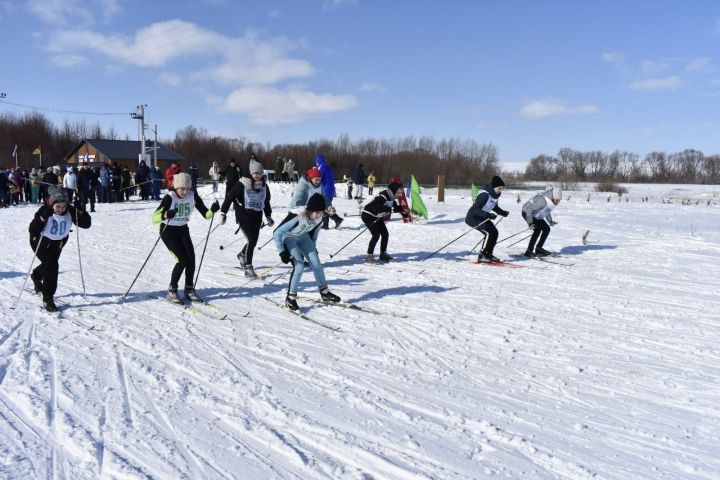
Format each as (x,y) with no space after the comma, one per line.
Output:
(56,110)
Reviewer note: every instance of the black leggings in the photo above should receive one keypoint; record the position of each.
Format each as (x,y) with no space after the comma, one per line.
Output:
(542,230)
(492,236)
(378,230)
(178,241)
(250,226)
(48,254)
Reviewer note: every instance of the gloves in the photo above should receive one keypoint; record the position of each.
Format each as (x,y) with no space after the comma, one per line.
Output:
(331,211)
(223,217)
(531,226)
(269,221)
(505,214)
(215,207)
(492,216)
(553,223)
(285,256)
(170,213)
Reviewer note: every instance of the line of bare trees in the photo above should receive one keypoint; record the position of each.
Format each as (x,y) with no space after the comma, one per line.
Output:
(688,166)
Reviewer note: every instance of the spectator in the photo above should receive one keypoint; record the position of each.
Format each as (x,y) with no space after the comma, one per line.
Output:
(214,174)
(359,179)
(194,174)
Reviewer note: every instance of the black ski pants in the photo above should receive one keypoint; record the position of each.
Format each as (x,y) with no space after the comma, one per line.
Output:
(541,231)
(178,241)
(48,254)
(378,230)
(492,236)
(250,223)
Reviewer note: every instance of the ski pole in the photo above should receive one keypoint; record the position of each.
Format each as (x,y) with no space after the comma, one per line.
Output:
(236,232)
(353,239)
(77,231)
(269,240)
(485,236)
(28,273)
(204,248)
(455,240)
(519,240)
(144,263)
(513,235)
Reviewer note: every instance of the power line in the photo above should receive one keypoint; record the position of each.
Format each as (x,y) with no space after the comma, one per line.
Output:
(56,110)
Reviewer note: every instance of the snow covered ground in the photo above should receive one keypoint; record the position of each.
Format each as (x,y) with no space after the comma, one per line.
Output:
(606,369)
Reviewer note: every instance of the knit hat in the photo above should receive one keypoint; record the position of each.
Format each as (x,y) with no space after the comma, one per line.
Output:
(556,194)
(496,182)
(57,195)
(256,167)
(182,180)
(313,173)
(394,187)
(316,203)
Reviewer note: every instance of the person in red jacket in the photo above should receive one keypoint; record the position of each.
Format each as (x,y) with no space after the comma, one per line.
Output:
(172,170)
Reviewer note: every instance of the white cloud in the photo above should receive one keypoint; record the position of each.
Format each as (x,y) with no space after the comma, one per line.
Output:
(372,87)
(553,108)
(653,84)
(275,13)
(59,12)
(272,106)
(613,57)
(331,4)
(703,64)
(109,9)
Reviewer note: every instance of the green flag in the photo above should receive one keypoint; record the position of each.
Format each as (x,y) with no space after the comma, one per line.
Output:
(417,206)
(473,191)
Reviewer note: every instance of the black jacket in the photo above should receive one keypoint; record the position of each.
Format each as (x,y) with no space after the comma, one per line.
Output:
(476,214)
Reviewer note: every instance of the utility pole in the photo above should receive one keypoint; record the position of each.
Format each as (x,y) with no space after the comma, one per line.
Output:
(140,115)
(155,145)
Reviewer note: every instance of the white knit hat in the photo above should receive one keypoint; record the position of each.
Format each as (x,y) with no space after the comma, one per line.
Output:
(256,167)
(556,194)
(182,180)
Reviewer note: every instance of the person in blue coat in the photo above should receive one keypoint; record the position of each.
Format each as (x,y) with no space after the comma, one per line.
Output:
(295,246)
(328,186)
(484,210)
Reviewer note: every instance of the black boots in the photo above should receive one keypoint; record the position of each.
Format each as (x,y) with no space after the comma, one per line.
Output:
(291,302)
(328,296)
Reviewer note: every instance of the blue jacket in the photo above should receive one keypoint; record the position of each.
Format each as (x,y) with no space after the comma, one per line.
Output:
(328,177)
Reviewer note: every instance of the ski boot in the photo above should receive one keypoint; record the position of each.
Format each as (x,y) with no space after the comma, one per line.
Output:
(172,295)
(250,272)
(384,257)
(541,252)
(328,296)
(528,254)
(338,222)
(49,305)
(291,302)
(191,295)
(370,258)
(492,258)
(241,259)
(37,282)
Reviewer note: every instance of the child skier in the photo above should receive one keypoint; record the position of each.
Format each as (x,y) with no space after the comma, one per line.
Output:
(173,214)
(253,198)
(372,216)
(49,231)
(483,211)
(537,213)
(293,242)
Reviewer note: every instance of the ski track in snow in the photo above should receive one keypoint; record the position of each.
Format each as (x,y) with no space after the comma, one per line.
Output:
(607,369)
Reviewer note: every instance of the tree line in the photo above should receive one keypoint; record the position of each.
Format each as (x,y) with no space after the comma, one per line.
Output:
(688,166)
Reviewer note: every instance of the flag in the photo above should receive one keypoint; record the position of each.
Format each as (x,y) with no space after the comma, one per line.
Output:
(37,151)
(473,191)
(418,206)
(14,154)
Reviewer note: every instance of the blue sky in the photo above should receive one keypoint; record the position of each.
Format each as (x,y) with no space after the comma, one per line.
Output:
(529,76)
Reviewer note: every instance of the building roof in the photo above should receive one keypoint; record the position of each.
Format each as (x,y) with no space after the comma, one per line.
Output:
(127,149)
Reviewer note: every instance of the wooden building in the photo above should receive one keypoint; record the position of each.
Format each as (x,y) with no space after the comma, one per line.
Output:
(124,152)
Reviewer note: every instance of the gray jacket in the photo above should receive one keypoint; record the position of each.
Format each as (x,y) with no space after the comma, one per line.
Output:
(539,207)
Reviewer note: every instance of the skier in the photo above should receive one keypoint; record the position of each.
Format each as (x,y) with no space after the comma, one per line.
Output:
(537,213)
(328,186)
(484,210)
(251,196)
(306,187)
(49,231)
(372,216)
(295,246)
(173,214)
